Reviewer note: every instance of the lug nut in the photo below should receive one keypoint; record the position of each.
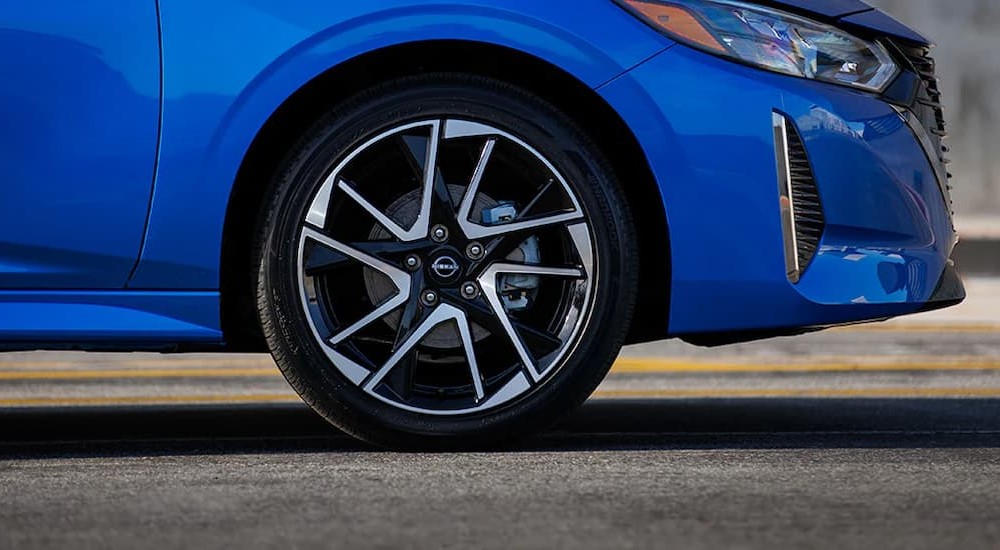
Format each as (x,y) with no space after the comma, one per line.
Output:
(439,233)
(474,251)
(412,262)
(470,290)
(429,297)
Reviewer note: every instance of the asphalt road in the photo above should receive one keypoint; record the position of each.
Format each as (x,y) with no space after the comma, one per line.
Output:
(883,436)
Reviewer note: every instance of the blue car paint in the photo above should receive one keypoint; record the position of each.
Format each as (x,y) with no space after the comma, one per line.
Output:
(706,127)
(79,112)
(220,88)
(704,124)
(878,20)
(826,8)
(134,319)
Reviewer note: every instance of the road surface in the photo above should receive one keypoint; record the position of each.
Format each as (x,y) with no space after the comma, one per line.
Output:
(877,436)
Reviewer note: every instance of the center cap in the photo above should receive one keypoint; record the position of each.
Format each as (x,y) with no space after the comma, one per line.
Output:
(445,268)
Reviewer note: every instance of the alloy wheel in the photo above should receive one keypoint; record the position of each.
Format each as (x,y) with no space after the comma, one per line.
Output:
(446,267)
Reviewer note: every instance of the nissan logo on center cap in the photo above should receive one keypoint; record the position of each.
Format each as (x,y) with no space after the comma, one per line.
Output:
(445,267)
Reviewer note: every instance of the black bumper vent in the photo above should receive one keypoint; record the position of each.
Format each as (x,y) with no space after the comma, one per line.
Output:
(802,210)
(809,220)
(928,105)
(928,111)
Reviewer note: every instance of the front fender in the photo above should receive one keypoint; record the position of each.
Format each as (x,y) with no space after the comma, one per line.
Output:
(228,66)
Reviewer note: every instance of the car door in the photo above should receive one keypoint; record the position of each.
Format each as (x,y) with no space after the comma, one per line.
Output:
(79,122)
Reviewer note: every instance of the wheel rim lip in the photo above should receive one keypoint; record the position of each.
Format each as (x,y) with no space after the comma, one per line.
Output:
(520,384)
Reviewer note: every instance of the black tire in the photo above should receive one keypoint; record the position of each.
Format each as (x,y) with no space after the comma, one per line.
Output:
(302,358)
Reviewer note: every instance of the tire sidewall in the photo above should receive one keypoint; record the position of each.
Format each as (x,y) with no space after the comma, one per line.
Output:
(302,358)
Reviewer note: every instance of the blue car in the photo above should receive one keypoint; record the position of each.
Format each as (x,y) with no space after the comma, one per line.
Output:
(443,220)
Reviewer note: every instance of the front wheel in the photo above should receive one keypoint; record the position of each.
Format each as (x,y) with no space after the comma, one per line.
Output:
(445,260)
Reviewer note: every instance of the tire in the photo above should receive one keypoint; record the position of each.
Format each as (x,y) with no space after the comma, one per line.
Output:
(350,244)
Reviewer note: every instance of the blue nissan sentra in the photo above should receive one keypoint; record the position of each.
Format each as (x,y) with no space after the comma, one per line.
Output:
(443,220)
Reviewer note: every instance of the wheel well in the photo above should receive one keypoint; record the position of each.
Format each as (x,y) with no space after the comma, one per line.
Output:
(293,119)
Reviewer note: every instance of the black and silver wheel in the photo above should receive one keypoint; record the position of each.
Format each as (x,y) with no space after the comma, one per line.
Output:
(445,260)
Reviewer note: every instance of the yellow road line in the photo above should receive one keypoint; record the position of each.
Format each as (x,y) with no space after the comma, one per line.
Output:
(828,364)
(174,361)
(114,374)
(148,400)
(825,364)
(804,392)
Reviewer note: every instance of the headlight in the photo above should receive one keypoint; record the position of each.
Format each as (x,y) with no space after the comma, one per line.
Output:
(771,39)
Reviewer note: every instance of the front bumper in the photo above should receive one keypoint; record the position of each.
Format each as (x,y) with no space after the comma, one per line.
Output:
(707,127)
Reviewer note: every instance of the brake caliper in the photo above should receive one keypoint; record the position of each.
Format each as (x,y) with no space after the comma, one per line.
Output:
(516,291)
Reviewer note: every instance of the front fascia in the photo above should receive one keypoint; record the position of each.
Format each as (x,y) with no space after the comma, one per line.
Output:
(706,126)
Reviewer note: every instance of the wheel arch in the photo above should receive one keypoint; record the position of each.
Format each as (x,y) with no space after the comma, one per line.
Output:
(294,117)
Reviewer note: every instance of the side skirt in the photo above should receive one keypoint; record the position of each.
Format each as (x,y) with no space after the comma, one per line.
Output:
(125,320)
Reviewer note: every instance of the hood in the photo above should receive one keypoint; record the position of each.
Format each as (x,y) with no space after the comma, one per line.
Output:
(852,13)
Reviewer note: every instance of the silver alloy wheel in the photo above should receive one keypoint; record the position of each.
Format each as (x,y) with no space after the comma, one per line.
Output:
(446,267)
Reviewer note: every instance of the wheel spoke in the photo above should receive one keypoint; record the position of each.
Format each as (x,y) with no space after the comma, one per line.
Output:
(412,315)
(538,196)
(488,281)
(469,199)
(383,220)
(422,223)
(376,314)
(417,152)
(481,231)
(401,379)
(481,312)
(442,207)
(323,259)
(398,276)
(441,314)
(415,157)
(500,247)
(531,269)
(317,210)
(400,279)
(393,252)
(465,332)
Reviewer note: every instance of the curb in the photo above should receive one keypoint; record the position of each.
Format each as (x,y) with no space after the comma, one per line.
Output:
(978,256)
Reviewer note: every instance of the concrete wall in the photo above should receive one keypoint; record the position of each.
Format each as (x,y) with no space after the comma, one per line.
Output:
(968,55)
